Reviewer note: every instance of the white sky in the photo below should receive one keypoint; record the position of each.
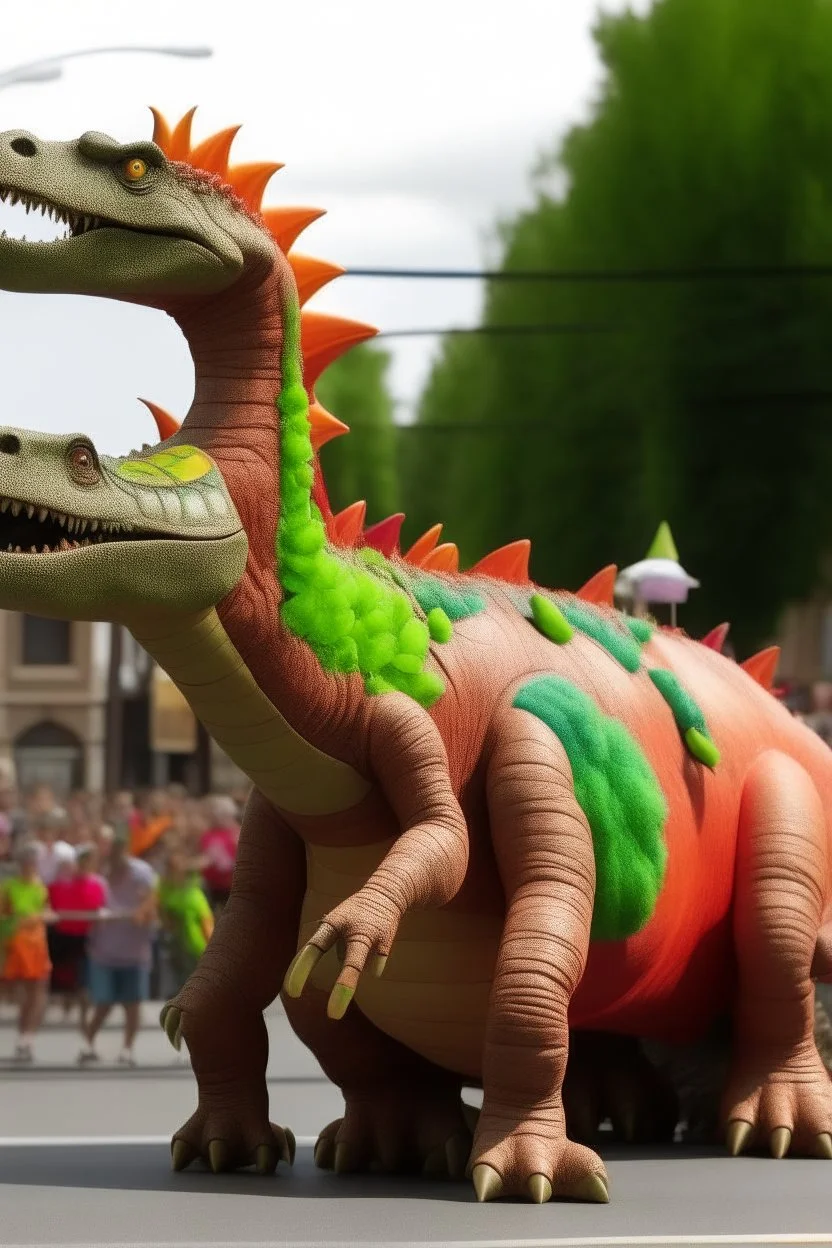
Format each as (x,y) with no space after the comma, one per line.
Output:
(414,125)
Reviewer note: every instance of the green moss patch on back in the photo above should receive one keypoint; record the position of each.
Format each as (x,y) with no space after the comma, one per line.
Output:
(688,715)
(620,795)
(350,614)
(641,629)
(431,592)
(604,630)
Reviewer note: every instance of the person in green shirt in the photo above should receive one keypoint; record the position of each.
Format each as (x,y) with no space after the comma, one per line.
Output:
(24,955)
(185,913)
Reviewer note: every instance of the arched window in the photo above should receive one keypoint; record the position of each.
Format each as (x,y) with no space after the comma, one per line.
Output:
(48,753)
(46,642)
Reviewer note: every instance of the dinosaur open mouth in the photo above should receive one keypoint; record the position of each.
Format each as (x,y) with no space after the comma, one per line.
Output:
(27,529)
(27,208)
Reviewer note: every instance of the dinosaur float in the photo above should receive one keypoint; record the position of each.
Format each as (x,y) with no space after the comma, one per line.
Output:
(483,812)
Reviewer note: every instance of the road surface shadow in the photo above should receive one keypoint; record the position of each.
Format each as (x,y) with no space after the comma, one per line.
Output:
(146,1167)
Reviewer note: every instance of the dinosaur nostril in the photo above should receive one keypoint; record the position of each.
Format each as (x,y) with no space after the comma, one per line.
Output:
(9,444)
(24,147)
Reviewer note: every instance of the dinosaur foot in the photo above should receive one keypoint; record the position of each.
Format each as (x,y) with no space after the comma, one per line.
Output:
(531,1162)
(785,1111)
(231,1141)
(397,1137)
(609,1076)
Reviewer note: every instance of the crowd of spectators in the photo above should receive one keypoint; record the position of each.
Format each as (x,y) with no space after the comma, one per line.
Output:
(106,901)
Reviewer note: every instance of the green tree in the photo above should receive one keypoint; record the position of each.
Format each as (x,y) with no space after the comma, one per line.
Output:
(705,402)
(361,464)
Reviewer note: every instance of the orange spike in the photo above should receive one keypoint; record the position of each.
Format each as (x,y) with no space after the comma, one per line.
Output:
(325,426)
(250,181)
(384,536)
(715,639)
(324,338)
(212,153)
(509,563)
(287,224)
(161,130)
(423,545)
(444,559)
(166,424)
(311,274)
(345,527)
(179,147)
(762,666)
(600,587)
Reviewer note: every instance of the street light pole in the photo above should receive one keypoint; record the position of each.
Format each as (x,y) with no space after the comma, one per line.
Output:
(52,67)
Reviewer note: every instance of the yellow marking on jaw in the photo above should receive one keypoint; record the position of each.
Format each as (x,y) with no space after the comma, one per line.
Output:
(177,465)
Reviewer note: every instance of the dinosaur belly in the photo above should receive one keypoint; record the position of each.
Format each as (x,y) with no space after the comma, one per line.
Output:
(433,996)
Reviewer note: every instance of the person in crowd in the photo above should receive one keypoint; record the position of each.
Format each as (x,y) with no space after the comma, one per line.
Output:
(76,888)
(24,909)
(10,803)
(185,913)
(48,830)
(819,718)
(218,847)
(120,948)
(157,820)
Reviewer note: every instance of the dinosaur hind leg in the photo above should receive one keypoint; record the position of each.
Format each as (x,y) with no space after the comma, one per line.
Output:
(778,1094)
(219,1011)
(402,1113)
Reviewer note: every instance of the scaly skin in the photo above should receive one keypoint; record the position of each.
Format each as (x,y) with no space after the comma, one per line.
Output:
(443,853)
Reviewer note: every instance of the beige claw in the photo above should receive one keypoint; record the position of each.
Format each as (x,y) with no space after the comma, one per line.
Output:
(487,1183)
(218,1155)
(540,1189)
(302,967)
(736,1135)
(325,1154)
(181,1154)
(287,1153)
(377,964)
(592,1188)
(779,1141)
(265,1159)
(823,1145)
(344,1159)
(457,1152)
(172,1023)
(339,1000)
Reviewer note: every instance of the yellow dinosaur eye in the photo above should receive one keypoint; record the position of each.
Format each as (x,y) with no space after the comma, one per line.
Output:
(134,169)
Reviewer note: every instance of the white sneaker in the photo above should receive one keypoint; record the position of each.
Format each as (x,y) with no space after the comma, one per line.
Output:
(23,1054)
(88,1057)
(126,1058)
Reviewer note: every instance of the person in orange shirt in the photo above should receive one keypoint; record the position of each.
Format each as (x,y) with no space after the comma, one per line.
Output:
(24,907)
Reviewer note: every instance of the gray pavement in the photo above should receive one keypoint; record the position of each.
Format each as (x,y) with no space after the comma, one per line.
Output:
(84,1160)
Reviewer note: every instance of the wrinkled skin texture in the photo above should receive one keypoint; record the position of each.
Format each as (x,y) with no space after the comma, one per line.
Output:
(429,919)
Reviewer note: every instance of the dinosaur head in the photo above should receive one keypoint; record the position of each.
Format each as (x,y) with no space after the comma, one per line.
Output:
(129,223)
(87,536)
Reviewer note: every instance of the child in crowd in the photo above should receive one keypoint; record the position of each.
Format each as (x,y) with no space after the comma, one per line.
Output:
(185,913)
(23,911)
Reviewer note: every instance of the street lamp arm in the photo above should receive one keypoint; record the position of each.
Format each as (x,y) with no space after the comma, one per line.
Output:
(51,67)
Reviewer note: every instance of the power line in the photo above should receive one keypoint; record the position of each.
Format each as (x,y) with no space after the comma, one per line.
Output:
(499,329)
(705,273)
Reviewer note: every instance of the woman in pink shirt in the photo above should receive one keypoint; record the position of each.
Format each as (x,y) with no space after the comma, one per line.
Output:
(80,890)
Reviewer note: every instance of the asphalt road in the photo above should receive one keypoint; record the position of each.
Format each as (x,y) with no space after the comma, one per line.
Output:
(84,1160)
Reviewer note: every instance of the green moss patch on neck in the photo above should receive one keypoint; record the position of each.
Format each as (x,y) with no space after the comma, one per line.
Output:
(688,715)
(620,795)
(348,612)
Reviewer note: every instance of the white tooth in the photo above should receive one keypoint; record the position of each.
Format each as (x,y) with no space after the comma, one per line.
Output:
(4,502)
(30,511)
(13,197)
(28,207)
(93,525)
(15,507)
(42,513)
(70,524)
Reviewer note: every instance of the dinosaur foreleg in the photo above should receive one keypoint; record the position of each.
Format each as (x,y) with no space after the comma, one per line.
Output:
(424,867)
(401,1112)
(778,1092)
(543,847)
(219,1012)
